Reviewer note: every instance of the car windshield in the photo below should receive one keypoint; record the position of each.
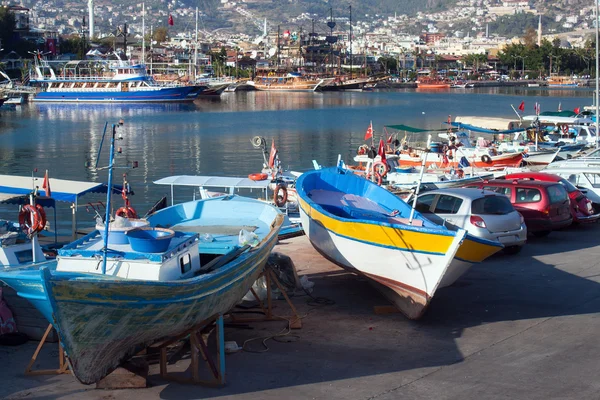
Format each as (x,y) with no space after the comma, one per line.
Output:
(568,185)
(492,205)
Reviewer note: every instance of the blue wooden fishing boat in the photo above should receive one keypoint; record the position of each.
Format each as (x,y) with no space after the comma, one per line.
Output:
(103,318)
(367,230)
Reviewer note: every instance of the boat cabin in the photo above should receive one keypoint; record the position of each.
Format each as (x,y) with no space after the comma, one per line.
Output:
(181,260)
(15,248)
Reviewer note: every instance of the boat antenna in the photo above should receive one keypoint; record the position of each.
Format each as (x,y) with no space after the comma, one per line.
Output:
(423,163)
(109,195)
(518,115)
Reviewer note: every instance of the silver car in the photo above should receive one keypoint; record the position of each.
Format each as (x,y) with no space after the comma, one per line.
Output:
(482,213)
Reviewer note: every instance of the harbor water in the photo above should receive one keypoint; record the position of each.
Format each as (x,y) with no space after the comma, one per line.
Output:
(212,137)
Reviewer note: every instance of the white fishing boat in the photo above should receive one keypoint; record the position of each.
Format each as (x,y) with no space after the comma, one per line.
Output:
(369,231)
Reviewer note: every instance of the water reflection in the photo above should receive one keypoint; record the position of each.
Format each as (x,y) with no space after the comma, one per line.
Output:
(213,136)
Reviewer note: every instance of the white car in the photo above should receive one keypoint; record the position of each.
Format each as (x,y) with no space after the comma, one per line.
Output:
(482,213)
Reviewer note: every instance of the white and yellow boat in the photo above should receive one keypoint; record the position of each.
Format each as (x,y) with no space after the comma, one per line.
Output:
(366,229)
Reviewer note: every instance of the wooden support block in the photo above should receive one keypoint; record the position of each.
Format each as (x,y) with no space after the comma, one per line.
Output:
(295,323)
(131,374)
(380,310)
(63,367)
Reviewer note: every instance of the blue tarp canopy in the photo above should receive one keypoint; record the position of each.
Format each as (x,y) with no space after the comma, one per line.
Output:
(474,128)
(61,190)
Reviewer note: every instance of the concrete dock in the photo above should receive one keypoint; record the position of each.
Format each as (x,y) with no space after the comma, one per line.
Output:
(514,327)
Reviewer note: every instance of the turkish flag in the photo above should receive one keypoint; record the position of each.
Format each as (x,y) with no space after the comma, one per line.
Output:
(46,185)
(369,133)
(381,150)
(170,20)
(577,110)
(522,106)
(272,154)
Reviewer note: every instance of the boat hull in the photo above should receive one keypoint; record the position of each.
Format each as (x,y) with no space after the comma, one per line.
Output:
(271,85)
(540,158)
(102,324)
(433,85)
(502,160)
(158,95)
(406,276)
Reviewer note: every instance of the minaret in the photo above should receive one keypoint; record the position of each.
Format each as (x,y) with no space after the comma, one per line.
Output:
(487,31)
(540,31)
(265,28)
(91,18)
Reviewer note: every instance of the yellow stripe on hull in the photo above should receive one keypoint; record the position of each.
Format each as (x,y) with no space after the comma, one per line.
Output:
(387,236)
(475,252)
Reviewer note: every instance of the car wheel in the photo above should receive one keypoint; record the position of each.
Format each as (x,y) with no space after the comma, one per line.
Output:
(512,250)
(541,233)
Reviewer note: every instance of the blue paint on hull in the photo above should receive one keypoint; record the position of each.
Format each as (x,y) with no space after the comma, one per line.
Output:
(162,95)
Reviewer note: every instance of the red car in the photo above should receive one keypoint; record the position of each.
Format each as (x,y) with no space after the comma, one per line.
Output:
(582,209)
(544,205)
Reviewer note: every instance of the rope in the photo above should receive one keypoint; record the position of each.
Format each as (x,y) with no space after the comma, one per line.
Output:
(314,302)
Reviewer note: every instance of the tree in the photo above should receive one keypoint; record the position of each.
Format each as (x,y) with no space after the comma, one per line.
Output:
(530,37)
(7,26)
(160,34)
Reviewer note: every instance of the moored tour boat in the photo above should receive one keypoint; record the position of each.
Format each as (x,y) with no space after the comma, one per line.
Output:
(369,231)
(433,83)
(105,82)
(288,82)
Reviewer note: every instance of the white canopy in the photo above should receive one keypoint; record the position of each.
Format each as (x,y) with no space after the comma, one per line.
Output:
(62,190)
(213,181)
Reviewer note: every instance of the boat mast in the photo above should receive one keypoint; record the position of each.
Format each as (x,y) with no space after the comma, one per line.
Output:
(196,49)
(351,60)
(144,35)
(151,51)
(423,163)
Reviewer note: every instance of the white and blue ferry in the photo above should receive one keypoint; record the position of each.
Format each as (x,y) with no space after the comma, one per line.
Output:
(92,81)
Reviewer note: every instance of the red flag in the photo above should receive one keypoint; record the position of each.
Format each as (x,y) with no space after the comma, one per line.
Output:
(577,110)
(389,139)
(46,185)
(369,133)
(522,106)
(381,150)
(170,20)
(272,155)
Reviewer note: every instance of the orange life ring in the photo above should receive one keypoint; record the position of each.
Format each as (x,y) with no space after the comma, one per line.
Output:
(381,168)
(32,219)
(378,176)
(280,200)
(565,129)
(258,176)
(126,212)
